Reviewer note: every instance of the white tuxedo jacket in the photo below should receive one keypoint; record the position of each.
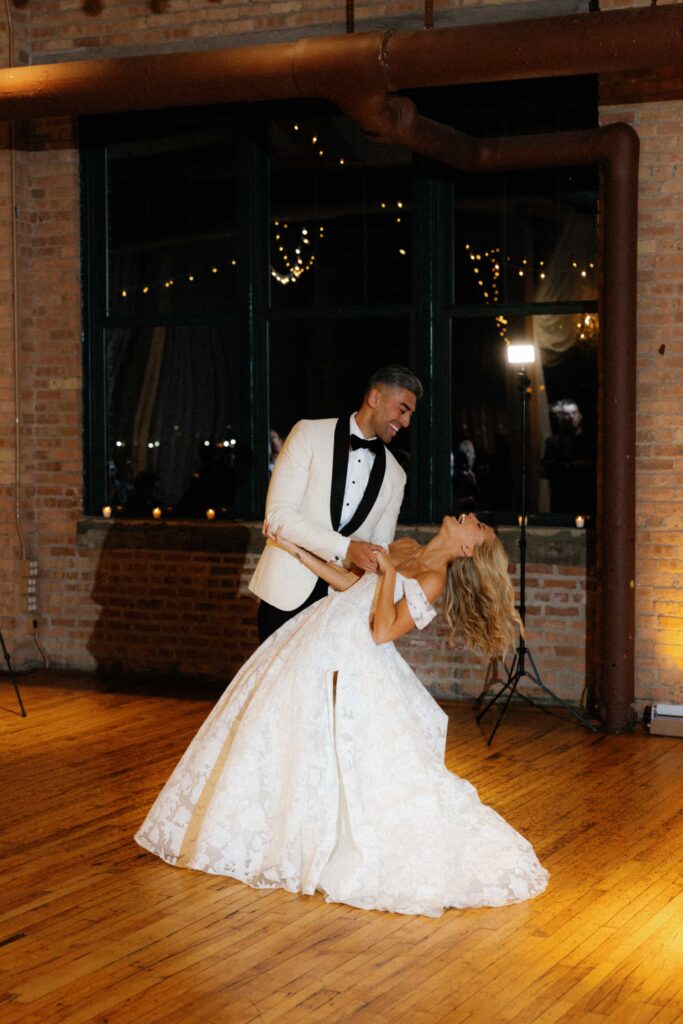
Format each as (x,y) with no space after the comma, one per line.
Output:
(305,497)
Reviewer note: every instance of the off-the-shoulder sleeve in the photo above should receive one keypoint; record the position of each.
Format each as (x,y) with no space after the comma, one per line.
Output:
(419,607)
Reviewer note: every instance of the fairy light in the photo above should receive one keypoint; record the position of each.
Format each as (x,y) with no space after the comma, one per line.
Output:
(487,267)
(295,260)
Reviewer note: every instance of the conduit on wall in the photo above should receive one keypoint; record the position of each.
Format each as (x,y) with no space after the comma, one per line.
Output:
(360,73)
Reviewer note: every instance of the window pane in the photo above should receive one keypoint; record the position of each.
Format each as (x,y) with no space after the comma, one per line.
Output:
(174,439)
(318,369)
(528,237)
(340,215)
(172,247)
(561,452)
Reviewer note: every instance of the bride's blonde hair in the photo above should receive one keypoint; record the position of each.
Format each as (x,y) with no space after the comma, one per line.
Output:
(479,602)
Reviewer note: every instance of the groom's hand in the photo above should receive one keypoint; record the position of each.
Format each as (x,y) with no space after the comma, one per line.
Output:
(364,555)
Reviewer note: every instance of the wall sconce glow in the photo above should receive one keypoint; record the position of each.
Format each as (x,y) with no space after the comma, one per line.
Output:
(520,354)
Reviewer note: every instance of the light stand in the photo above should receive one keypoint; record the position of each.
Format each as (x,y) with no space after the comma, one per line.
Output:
(521,355)
(10,673)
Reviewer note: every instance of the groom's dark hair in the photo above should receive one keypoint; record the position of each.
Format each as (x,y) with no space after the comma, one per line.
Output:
(394,376)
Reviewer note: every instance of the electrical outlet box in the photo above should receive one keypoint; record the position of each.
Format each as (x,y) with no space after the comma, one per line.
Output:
(666,720)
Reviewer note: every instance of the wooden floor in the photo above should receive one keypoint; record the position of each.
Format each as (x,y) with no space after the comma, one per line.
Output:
(94,929)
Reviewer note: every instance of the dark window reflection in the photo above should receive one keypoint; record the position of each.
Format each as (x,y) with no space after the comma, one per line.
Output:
(171,220)
(318,369)
(334,254)
(340,215)
(561,416)
(523,238)
(174,441)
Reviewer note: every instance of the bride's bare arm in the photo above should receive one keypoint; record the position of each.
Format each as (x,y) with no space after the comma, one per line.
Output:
(336,576)
(392,619)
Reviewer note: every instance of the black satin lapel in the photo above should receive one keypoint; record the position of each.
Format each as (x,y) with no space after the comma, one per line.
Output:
(371,491)
(340,467)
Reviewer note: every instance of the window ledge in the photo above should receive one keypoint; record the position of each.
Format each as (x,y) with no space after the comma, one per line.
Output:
(546,545)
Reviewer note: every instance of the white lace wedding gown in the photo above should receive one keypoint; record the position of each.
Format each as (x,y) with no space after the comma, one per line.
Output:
(296,782)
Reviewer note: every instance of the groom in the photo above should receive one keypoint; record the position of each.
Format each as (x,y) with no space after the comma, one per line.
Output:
(337,491)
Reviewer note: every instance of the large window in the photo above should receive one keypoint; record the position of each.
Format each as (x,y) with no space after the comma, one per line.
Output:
(246,267)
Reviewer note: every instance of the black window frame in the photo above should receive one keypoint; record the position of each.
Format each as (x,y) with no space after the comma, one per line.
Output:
(430,312)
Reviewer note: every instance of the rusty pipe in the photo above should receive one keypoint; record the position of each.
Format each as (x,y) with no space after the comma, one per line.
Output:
(576,44)
(619,40)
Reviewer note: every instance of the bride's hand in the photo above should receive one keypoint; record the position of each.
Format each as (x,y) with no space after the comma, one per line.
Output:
(384,563)
(277,538)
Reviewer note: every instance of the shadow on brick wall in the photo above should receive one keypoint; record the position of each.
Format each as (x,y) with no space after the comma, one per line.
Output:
(172,597)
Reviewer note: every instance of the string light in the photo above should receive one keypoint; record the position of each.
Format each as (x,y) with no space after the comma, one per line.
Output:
(296,260)
(171,281)
(490,260)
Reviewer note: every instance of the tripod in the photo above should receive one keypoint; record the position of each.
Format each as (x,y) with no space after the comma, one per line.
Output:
(11,675)
(518,668)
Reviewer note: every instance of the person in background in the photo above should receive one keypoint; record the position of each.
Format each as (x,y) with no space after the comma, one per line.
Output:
(568,461)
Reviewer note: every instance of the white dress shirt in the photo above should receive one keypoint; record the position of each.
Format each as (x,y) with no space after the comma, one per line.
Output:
(357,476)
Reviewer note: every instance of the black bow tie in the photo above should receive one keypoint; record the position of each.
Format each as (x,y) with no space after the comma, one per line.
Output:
(360,442)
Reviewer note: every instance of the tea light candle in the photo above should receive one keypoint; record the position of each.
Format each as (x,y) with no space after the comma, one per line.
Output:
(580,522)
(156,513)
(106,512)
(211,513)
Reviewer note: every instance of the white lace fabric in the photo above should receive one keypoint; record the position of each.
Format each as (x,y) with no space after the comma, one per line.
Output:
(322,768)
(421,611)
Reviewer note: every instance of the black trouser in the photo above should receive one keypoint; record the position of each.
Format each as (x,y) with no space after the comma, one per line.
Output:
(270,618)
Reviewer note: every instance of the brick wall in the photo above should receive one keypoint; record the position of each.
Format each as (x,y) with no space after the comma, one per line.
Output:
(79,28)
(173,598)
(106,602)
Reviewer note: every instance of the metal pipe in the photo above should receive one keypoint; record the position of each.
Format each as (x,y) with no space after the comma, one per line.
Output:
(619,40)
(16,383)
(617,541)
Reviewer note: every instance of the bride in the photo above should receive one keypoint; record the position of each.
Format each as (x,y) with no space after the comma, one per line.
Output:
(321,767)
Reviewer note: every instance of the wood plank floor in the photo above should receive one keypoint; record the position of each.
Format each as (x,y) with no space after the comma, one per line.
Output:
(93,929)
